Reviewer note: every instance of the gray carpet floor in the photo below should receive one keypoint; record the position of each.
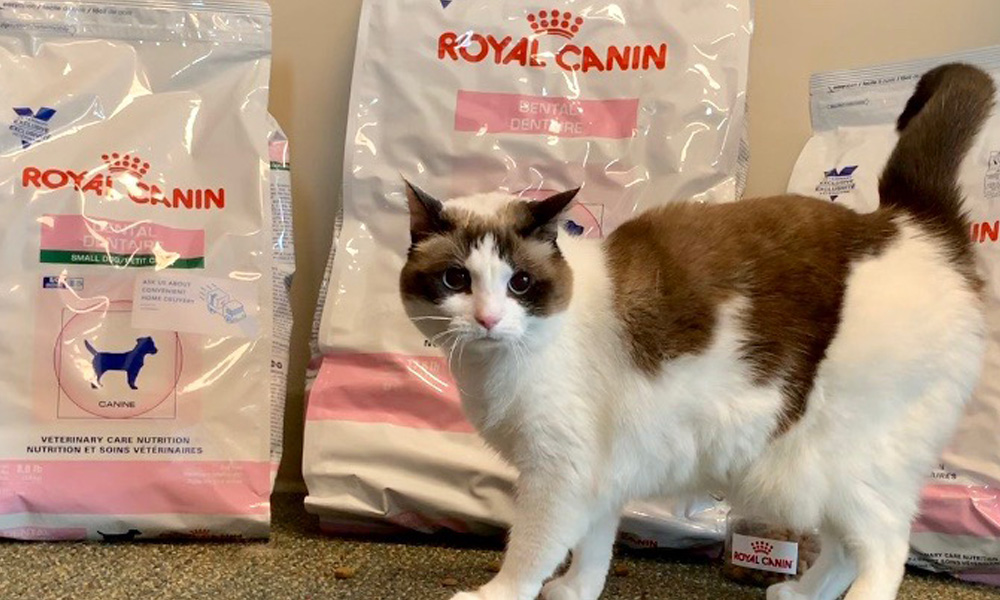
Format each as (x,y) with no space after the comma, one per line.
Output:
(299,563)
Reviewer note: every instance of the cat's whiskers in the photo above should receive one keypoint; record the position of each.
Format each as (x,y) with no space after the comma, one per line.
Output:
(461,349)
(429,318)
(450,331)
(523,351)
(451,353)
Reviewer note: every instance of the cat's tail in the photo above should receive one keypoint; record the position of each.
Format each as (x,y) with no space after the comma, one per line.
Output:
(936,131)
(89,347)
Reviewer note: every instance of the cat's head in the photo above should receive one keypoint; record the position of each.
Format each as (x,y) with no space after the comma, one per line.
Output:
(485,269)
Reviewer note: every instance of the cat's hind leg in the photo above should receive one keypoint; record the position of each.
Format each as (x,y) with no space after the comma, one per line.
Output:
(881,559)
(873,523)
(827,579)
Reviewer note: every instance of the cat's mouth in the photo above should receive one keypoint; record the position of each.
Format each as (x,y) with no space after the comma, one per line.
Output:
(489,338)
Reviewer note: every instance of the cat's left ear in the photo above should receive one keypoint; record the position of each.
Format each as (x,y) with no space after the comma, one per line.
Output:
(544,220)
(425,214)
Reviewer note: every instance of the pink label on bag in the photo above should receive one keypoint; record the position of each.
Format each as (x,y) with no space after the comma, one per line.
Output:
(76,239)
(277,151)
(541,115)
(410,391)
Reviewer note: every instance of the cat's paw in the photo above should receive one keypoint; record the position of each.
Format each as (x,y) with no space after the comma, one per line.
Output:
(785,591)
(486,592)
(559,589)
(563,588)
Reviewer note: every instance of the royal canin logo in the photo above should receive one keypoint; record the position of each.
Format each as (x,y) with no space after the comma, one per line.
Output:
(472,47)
(762,547)
(764,555)
(122,175)
(562,24)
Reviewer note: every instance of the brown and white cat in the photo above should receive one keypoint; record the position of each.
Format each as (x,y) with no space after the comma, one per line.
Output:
(807,361)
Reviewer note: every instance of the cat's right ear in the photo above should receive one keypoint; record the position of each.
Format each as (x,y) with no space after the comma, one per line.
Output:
(425,214)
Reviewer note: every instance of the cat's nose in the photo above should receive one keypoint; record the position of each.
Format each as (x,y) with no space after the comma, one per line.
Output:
(487,321)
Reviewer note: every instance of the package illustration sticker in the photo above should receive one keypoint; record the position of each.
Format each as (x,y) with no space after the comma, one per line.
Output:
(148,253)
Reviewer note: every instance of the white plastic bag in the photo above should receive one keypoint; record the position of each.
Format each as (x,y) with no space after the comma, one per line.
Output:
(641,102)
(853,116)
(144,270)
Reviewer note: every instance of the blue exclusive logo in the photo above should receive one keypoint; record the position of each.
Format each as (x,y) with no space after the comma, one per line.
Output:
(837,183)
(62,283)
(30,126)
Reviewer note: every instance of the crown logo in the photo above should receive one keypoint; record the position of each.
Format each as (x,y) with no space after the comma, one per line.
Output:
(761,547)
(133,165)
(554,22)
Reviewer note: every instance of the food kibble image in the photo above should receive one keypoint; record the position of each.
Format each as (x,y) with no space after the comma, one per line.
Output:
(479,300)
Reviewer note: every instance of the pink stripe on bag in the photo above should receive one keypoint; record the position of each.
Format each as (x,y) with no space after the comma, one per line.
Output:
(134,488)
(45,534)
(984,578)
(541,115)
(959,510)
(410,391)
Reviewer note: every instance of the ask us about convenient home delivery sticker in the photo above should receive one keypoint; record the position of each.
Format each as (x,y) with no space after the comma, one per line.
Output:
(213,306)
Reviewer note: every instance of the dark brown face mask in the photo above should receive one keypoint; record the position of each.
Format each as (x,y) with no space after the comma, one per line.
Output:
(521,234)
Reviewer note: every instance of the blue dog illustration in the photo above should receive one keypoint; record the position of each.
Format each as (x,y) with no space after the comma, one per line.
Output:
(130,362)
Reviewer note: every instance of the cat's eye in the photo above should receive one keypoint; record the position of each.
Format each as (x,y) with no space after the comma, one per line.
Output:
(456,278)
(520,283)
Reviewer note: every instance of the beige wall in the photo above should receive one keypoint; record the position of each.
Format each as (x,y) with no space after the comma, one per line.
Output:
(314,50)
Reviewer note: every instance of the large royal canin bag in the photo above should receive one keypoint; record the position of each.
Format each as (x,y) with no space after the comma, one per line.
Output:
(853,113)
(641,102)
(147,254)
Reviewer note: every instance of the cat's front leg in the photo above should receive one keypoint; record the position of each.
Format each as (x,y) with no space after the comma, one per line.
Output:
(549,519)
(591,559)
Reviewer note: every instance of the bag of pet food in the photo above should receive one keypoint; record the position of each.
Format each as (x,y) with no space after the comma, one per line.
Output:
(853,113)
(637,101)
(147,243)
